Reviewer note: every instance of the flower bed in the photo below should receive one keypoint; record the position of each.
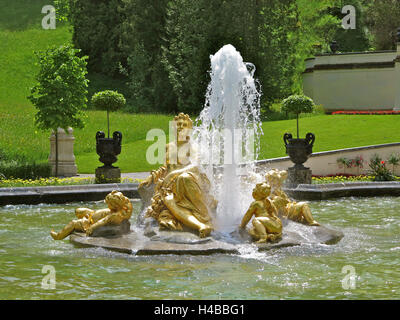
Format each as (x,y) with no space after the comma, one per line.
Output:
(378,112)
(42,182)
(343,178)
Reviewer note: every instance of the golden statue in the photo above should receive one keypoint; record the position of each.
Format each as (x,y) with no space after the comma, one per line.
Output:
(119,209)
(287,208)
(181,196)
(266,224)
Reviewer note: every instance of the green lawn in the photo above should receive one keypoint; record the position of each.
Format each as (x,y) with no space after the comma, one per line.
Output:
(21,35)
(332,132)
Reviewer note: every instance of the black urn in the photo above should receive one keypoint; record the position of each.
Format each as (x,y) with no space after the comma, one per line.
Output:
(334,46)
(299,150)
(108,148)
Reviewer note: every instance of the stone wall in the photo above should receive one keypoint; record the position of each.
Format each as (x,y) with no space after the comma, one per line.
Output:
(354,81)
(325,163)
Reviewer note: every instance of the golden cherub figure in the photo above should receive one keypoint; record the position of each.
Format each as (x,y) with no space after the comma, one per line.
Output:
(266,224)
(287,208)
(119,209)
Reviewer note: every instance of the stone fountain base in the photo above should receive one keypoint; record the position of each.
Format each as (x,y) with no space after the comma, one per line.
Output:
(155,242)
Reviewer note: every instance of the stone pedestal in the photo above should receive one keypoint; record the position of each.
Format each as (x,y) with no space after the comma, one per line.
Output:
(108,175)
(397,79)
(66,159)
(298,176)
(113,230)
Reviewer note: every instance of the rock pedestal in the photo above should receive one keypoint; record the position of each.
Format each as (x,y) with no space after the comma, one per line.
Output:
(155,242)
(108,175)
(113,230)
(298,176)
(66,159)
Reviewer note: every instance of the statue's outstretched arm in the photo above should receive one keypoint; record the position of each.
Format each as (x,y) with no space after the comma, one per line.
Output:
(247,216)
(154,177)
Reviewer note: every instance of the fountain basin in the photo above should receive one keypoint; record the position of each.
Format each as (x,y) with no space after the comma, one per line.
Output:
(64,194)
(67,194)
(339,190)
(306,271)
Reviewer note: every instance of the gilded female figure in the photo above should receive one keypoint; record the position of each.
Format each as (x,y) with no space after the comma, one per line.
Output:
(181,191)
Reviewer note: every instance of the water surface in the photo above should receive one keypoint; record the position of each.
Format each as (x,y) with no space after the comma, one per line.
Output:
(371,246)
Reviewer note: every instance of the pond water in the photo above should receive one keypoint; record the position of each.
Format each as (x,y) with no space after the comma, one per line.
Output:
(371,247)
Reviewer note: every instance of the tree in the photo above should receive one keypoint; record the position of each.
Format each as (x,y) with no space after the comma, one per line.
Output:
(97,32)
(352,40)
(258,29)
(60,94)
(316,28)
(62,9)
(108,100)
(383,19)
(142,37)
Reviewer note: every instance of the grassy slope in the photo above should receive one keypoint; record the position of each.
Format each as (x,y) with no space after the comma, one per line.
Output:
(21,34)
(332,132)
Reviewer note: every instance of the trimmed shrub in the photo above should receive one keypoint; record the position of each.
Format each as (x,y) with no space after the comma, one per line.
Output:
(297,104)
(108,100)
(24,170)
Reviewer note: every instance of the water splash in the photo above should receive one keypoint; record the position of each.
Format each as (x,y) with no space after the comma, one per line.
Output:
(228,133)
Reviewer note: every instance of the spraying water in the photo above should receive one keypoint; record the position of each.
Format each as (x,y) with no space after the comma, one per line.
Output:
(228,132)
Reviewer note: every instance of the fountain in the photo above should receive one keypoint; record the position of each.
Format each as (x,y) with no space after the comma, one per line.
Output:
(228,134)
(304,267)
(200,200)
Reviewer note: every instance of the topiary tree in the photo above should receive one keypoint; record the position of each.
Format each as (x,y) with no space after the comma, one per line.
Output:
(297,104)
(60,94)
(108,100)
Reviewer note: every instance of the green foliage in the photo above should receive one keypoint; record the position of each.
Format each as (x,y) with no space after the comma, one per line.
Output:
(319,23)
(23,169)
(142,36)
(383,20)
(352,40)
(379,170)
(100,82)
(62,9)
(61,89)
(259,30)
(275,113)
(108,100)
(297,104)
(97,31)
(394,159)
(357,162)
(18,15)
(316,28)
(344,162)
